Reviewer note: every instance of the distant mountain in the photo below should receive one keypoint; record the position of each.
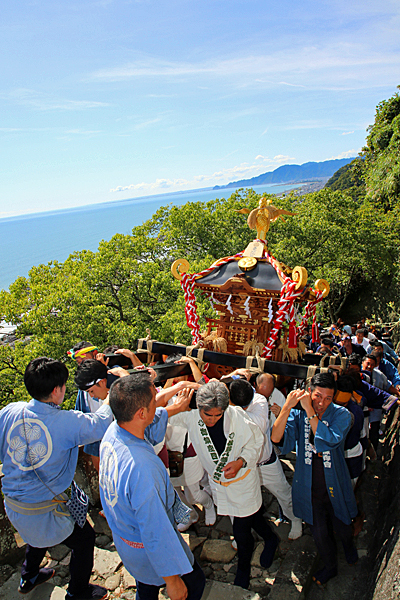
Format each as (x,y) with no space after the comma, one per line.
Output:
(292,173)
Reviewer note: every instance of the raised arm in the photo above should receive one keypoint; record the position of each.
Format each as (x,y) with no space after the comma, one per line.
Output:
(278,428)
(131,355)
(164,395)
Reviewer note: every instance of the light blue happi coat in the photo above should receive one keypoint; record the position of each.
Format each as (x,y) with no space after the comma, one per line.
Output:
(82,404)
(329,440)
(52,438)
(137,498)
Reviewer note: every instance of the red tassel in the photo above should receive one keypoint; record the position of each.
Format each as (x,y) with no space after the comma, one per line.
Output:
(315,332)
(292,335)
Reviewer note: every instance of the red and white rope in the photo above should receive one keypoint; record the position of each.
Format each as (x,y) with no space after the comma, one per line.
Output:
(192,318)
(285,305)
(309,312)
(285,309)
(187,283)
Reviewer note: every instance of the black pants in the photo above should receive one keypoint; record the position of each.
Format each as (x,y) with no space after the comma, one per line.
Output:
(325,523)
(194,581)
(374,433)
(242,527)
(81,541)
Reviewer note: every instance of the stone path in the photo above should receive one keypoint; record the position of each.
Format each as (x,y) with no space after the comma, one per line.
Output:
(287,578)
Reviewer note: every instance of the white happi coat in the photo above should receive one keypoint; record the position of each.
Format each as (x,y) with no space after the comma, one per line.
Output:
(241,496)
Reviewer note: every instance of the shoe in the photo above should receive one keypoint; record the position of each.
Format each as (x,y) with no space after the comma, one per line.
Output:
(210,515)
(296,530)
(242,579)
(358,524)
(184,526)
(92,592)
(27,585)
(352,556)
(234,544)
(324,575)
(267,555)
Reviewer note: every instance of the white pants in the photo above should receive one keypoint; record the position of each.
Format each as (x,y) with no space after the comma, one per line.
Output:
(194,495)
(273,478)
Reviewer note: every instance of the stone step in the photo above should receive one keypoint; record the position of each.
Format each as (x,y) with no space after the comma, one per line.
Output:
(216,590)
(293,577)
(45,591)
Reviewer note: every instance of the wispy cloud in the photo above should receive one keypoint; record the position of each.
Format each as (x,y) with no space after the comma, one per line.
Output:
(279,159)
(299,64)
(147,123)
(83,131)
(235,173)
(41,101)
(346,154)
(347,132)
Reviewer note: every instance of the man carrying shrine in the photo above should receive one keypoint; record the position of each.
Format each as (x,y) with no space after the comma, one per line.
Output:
(322,492)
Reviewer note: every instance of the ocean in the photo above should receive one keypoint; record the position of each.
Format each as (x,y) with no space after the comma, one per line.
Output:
(38,238)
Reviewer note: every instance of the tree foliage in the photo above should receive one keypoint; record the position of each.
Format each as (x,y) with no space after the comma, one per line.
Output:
(350,177)
(114,295)
(382,153)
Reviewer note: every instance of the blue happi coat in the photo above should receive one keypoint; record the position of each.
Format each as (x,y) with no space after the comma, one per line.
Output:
(329,440)
(82,404)
(137,498)
(52,438)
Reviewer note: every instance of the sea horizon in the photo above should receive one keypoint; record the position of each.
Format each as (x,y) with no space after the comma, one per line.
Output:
(150,198)
(31,239)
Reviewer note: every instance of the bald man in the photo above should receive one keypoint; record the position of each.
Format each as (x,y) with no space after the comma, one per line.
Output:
(265,385)
(269,466)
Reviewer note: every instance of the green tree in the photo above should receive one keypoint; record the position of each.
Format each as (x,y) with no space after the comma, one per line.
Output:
(115,294)
(352,245)
(382,153)
(350,177)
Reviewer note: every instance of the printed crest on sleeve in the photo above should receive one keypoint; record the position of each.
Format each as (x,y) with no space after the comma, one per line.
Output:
(109,473)
(29,444)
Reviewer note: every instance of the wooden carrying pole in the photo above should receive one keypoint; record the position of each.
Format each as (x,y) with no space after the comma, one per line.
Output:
(229,360)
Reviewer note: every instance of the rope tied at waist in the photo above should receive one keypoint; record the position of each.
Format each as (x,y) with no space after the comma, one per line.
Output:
(57,504)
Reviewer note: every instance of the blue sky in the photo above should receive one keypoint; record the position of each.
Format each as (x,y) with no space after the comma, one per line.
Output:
(111,99)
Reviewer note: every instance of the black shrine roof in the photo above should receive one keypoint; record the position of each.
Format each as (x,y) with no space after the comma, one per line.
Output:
(262,277)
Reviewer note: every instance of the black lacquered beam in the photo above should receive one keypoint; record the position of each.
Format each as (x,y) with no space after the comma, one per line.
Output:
(232,360)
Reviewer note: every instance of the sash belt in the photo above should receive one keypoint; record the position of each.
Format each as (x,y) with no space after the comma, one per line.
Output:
(226,483)
(40,508)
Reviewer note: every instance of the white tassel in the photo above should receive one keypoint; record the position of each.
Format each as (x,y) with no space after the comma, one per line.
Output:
(246,307)
(270,312)
(228,304)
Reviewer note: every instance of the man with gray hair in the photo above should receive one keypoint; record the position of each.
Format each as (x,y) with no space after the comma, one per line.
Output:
(228,444)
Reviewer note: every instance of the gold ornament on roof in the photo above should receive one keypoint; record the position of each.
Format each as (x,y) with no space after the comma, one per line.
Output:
(300,276)
(247,263)
(179,267)
(261,217)
(322,286)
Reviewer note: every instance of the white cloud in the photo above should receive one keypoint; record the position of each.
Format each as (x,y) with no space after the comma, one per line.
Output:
(41,101)
(347,132)
(83,131)
(329,65)
(145,124)
(278,159)
(224,176)
(346,154)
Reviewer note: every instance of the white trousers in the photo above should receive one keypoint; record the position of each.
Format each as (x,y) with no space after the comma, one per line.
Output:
(194,495)
(273,478)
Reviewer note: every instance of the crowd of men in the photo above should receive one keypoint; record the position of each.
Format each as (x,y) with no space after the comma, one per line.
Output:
(163,449)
